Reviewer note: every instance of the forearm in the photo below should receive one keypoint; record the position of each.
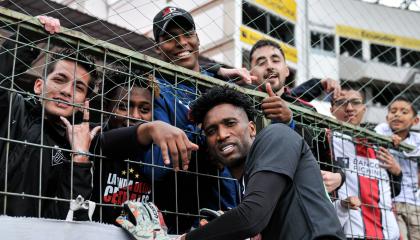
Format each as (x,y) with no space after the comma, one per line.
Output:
(395,183)
(252,215)
(308,90)
(120,143)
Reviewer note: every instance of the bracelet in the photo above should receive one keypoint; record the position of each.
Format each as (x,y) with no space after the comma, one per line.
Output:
(80,153)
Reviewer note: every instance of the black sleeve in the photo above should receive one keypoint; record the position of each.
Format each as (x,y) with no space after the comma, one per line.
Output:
(308,90)
(252,215)
(395,183)
(118,143)
(82,185)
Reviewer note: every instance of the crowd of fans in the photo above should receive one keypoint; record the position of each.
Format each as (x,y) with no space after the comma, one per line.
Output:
(286,182)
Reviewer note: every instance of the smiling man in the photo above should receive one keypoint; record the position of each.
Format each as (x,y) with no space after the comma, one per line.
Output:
(284,196)
(48,170)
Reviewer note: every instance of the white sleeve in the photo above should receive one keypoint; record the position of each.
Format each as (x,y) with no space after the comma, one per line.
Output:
(383,129)
(342,213)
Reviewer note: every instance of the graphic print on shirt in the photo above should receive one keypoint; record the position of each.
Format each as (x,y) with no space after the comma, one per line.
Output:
(118,186)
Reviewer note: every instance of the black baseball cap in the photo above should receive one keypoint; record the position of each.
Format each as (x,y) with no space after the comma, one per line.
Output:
(182,18)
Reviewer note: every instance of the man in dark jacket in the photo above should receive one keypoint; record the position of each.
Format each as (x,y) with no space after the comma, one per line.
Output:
(37,158)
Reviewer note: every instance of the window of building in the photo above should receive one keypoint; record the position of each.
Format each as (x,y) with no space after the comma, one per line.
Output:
(254,17)
(410,58)
(351,47)
(322,41)
(281,29)
(383,54)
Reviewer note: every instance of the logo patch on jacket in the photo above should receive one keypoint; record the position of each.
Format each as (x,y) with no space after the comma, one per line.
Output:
(57,156)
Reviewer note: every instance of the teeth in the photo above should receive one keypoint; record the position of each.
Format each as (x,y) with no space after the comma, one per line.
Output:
(226,148)
(183,54)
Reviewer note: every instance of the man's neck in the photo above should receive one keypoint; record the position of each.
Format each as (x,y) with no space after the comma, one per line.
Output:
(237,171)
(196,68)
(280,92)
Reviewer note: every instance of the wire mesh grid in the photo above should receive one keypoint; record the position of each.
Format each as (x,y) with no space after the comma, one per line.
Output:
(128,91)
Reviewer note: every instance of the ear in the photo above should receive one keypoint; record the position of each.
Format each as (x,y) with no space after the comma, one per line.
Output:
(252,129)
(287,72)
(38,86)
(416,120)
(387,117)
(157,49)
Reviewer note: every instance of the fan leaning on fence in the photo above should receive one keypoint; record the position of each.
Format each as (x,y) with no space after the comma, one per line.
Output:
(373,176)
(61,90)
(66,83)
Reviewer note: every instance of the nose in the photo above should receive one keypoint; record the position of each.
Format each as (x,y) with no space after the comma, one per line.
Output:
(222,134)
(67,90)
(181,40)
(135,113)
(349,107)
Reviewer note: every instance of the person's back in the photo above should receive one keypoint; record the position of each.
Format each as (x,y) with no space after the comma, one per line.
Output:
(305,204)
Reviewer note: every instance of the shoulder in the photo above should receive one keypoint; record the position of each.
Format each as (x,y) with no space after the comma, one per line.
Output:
(277,130)
(383,128)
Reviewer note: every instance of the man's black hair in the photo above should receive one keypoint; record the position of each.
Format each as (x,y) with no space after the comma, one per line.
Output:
(220,95)
(346,87)
(85,61)
(263,43)
(120,77)
(404,99)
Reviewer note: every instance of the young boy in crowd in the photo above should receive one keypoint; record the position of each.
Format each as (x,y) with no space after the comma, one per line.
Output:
(401,117)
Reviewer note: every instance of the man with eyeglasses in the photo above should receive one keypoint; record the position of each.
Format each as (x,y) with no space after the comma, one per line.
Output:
(373,176)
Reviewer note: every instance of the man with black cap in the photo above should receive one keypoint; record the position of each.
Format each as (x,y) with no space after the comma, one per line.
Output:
(178,43)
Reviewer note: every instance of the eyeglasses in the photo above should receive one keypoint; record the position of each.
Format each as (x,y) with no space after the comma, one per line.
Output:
(355,102)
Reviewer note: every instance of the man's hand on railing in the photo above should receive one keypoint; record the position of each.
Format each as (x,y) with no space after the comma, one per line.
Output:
(51,25)
(352,202)
(142,221)
(170,139)
(396,140)
(331,180)
(388,161)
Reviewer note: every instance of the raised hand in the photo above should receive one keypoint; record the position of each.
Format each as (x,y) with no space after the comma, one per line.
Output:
(240,76)
(388,161)
(80,136)
(51,25)
(331,85)
(274,107)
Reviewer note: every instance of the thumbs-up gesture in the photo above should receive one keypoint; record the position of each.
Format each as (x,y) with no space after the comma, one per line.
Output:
(274,107)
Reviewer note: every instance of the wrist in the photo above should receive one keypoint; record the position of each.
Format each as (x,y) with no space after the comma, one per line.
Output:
(143,133)
(80,156)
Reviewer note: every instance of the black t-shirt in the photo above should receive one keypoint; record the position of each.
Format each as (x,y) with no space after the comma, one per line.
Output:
(304,210)
(284,196)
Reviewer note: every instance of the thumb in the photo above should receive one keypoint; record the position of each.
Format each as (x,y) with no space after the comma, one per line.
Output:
(95,131)
(269,90)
